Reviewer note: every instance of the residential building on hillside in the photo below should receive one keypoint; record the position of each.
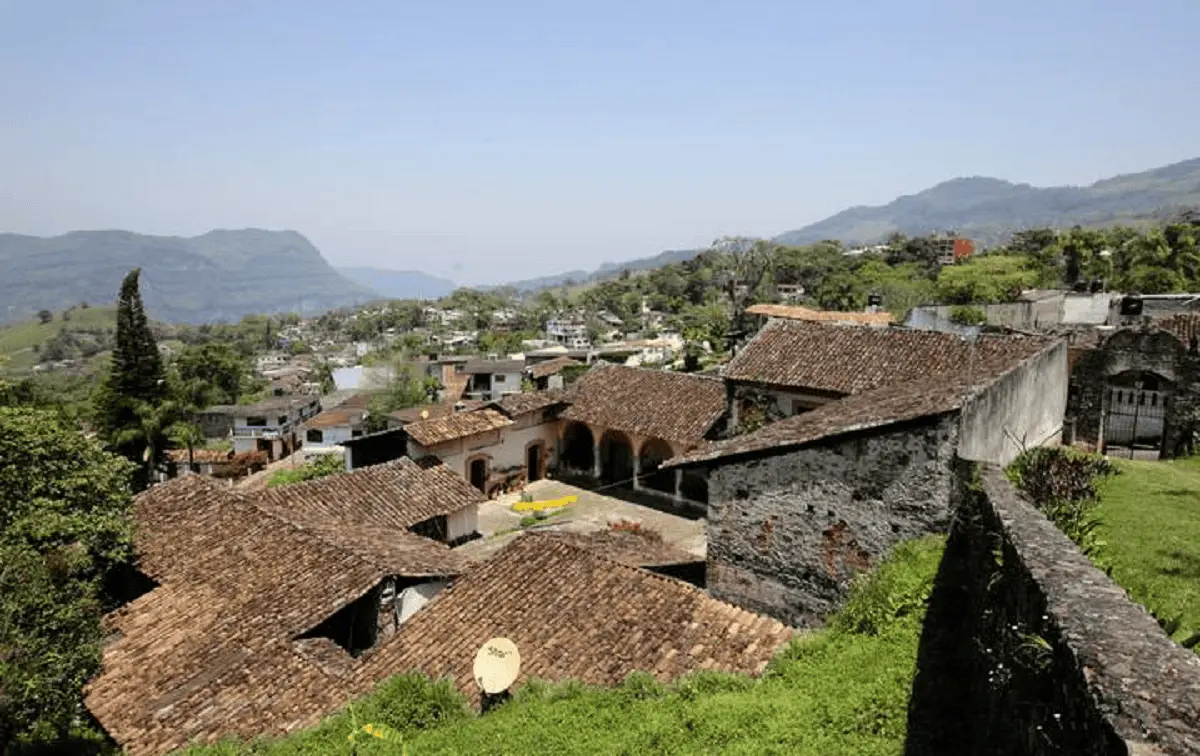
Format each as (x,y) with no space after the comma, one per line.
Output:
(491,379)
(334,426)
(570,332)
(547,374)
(269,426)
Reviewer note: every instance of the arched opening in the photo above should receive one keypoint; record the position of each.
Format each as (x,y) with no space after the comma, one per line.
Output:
(653,453)
(579,448)
(616,458)
(478,473)
(533,462)
(1137,406)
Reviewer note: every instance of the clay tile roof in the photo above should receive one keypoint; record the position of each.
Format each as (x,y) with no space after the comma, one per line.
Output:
(200,456)
(493,366)
(551,367)
(636,549)
(413,414)
(590,619)
(929,395)
(455,385)
(396,495)
(793,312)
(838,361)
(654,403)
(515,405)
(1185,326)
(340,415)
(458,425)
(213,651)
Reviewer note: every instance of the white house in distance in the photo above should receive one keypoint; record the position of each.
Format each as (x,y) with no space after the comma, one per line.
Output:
(491,379)
(270,426)
(336,425)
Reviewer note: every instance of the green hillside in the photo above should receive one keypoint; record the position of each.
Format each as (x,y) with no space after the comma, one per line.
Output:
(221,275)
(989,209)
(21,343)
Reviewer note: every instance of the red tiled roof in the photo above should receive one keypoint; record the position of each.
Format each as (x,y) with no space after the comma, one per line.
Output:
(928,395)
(636,549)
(839,361)
(654,403)
(200,456)
(1185,326)
(515,405)
(458,425)
(589,618)
(794,312)
(551,367)
(340,415)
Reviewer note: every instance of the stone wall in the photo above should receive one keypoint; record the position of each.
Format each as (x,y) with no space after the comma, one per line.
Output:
(1142,350)
(1029,649)
(788,532)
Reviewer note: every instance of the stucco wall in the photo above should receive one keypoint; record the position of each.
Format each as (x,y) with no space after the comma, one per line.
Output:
(464,522)
(787,533)
(1029,649)
(1023,409)
(504,448)
(416,596)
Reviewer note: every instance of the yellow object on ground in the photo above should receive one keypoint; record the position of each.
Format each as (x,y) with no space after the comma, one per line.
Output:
(542,506)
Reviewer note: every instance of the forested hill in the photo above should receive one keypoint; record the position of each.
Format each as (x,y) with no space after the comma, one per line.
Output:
(221,275)
(988,210)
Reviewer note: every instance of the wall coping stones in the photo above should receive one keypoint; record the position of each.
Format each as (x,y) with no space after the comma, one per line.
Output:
(1144,686)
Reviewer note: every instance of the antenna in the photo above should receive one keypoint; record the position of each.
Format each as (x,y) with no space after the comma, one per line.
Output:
(497,664)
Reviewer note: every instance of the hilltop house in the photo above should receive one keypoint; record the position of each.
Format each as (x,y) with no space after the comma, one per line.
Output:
(491,379)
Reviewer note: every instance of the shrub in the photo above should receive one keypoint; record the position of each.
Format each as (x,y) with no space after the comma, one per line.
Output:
(326,464)
(1063,483)
(967,315)
(896,592)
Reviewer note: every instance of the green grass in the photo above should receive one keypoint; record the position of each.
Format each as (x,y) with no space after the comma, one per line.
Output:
(24,336)
(843,690)
(1150,523)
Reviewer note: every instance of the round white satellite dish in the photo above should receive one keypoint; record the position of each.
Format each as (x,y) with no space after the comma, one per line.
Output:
(497,665)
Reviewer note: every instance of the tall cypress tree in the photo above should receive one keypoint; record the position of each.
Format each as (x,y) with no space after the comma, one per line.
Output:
(130,406)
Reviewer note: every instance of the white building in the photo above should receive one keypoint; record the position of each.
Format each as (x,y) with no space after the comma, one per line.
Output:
(271,425)
(492,379)
(569,332)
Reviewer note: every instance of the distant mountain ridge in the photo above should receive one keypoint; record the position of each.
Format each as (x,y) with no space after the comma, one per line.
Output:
(399,284)
(988,210)
(220,275)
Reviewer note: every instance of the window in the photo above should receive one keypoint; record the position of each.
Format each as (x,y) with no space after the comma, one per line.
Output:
(282,419)
(256,421)
(498,379)
(314,436)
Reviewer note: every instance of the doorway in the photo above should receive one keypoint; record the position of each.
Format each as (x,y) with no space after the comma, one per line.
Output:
(533,463)
(478,473)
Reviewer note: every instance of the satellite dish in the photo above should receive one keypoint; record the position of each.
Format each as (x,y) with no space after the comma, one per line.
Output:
(496,665)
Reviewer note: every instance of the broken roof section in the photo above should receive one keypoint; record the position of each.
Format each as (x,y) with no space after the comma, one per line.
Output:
(795,312)
(943,389)
(675,407)
(590,619)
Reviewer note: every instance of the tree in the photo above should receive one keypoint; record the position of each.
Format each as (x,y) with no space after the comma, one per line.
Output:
(135,384)
(986,278)
(45,316)
(212,373)
(64,532)
(405,389)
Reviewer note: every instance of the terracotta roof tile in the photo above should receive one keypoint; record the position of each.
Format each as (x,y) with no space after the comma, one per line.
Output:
(1185,326)
(925,396)
(590,619)
(340,415)
(458,425)
(200,456)
(396,494)
(671,406)
(794,312)
(838,360)
(515,405)
(631,548)
(551,367)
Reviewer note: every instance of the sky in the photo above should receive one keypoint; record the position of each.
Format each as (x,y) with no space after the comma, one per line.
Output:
(492,141)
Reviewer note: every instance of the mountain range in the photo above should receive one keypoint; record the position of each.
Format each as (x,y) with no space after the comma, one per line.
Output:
(220,275)
(986,210)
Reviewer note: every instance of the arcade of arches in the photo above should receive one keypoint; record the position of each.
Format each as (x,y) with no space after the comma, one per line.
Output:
(618,458)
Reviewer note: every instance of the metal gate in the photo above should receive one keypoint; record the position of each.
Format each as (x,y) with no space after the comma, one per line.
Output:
(1136,418)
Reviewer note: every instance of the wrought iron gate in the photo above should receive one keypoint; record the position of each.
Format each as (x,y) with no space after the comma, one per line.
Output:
(1136,418)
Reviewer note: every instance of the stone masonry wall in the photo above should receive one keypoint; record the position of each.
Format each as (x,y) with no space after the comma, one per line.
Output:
(1029,649)
(787,533)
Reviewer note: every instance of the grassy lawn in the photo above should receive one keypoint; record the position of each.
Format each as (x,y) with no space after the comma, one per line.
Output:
(1150,520)
(843,690)
(22,336)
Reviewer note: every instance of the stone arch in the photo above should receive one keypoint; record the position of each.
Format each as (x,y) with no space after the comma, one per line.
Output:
(653,453)
(616,458)
(578,448)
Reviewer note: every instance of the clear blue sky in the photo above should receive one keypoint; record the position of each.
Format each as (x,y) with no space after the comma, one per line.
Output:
(496,140)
